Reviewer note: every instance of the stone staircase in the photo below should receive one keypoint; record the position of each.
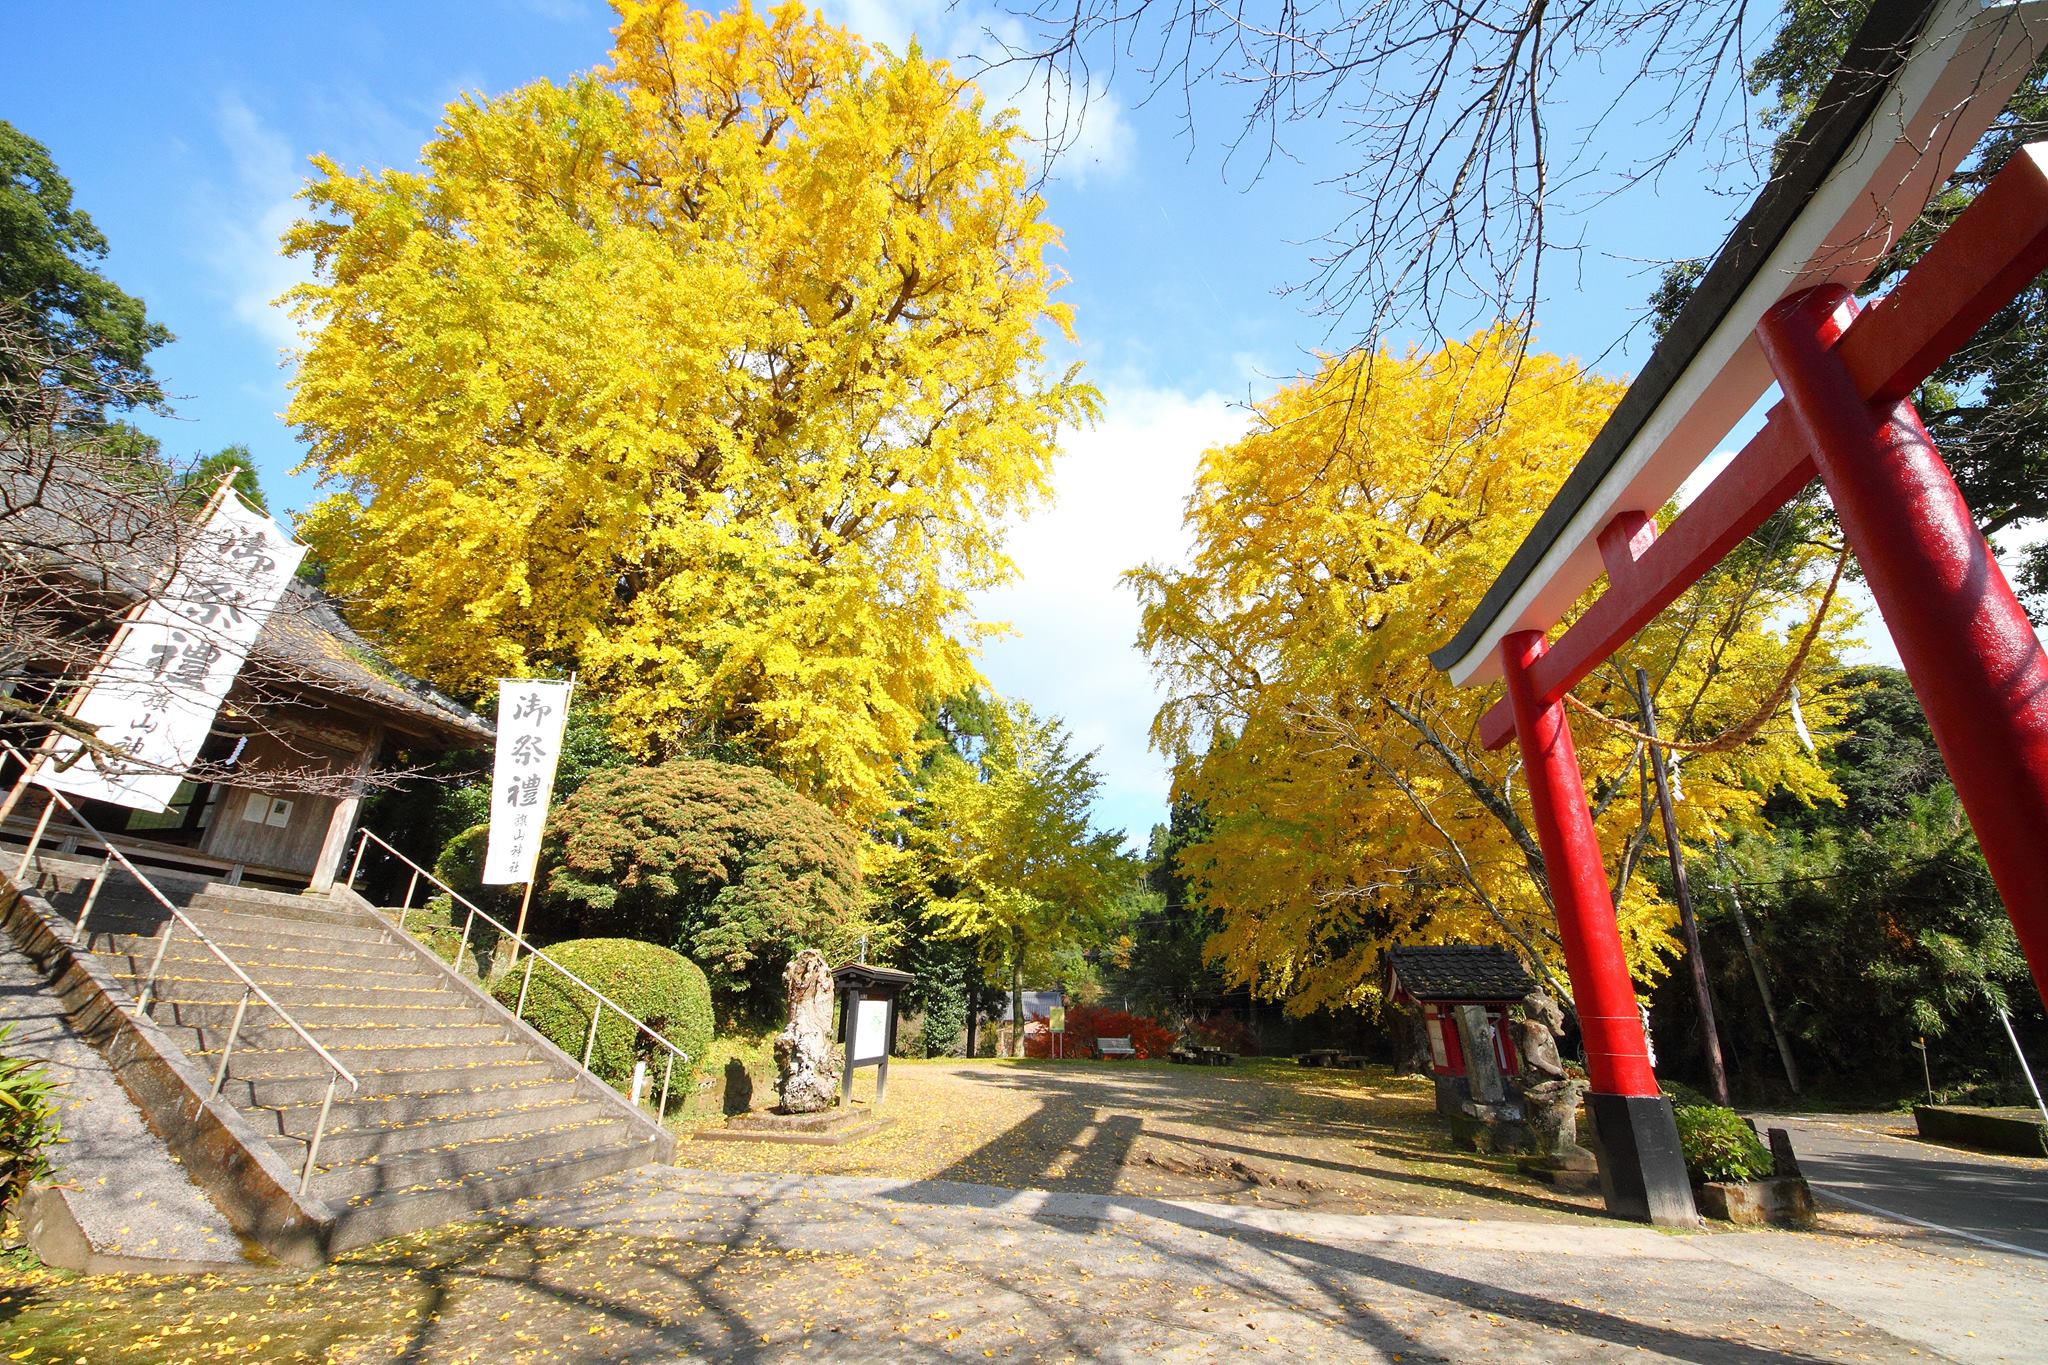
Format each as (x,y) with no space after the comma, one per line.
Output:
(460,1106)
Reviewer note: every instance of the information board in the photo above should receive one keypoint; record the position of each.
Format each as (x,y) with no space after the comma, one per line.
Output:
(871,1031)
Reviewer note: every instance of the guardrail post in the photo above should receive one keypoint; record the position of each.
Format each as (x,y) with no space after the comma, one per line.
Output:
(463,946)
(149,986)
(220,1074)
(319,1131)
(524,982)
(661,1108)
(28,855)
(596,1013)
(99,879)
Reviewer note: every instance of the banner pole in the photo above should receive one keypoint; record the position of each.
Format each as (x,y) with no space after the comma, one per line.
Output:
(519,930)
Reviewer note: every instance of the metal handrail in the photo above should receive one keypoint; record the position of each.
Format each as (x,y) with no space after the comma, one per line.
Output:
(533,954)
(178,917)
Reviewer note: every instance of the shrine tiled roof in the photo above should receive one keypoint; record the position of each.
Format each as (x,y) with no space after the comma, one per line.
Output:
(1459,972)
(62,520)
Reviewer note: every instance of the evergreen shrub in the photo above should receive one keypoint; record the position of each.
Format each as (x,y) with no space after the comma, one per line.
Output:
(1718,1145)
(28,1124)
(723,863)
(664,989)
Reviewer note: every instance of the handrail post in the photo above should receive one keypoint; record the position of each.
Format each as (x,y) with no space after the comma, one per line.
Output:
(463,946)
(220,1075)
(667,1073)
(319,1131)
(362,842)
(28,855)
(149,986)
(410,887)
(596,1013)
(99,879)
(524,982)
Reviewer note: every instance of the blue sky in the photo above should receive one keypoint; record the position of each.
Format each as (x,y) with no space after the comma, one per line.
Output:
(185,131)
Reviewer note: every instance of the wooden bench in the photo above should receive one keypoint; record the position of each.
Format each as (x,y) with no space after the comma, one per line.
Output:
(1114,1047)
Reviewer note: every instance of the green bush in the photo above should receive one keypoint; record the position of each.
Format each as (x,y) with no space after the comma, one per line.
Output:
(664,989)
(1718,1145)
(28,1124)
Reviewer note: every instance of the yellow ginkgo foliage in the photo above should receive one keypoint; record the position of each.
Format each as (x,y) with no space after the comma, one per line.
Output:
(714,374)
(1349,804)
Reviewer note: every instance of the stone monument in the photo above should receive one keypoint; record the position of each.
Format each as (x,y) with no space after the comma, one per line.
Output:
(807,1080)
(1550,1097)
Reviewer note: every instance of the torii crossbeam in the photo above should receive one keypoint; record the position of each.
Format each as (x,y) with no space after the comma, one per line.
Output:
(1967,646)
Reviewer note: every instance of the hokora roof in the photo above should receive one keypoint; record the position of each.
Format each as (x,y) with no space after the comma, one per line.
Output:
(1459,972)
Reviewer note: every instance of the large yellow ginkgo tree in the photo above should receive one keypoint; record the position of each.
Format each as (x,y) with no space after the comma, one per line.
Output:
(715,374)
(1348,803)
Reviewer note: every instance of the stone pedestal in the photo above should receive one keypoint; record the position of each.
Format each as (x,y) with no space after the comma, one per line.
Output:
(1642,1167)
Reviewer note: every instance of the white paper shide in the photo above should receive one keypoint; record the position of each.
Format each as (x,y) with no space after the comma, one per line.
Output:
(530,720)
(154,697)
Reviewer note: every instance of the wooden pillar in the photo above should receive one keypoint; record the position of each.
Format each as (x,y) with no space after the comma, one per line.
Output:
(342,822)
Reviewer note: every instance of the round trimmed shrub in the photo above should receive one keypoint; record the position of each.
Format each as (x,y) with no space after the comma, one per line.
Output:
(1718,1145)
(663,988)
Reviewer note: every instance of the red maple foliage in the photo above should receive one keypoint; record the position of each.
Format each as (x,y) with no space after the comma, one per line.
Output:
(1087,1023)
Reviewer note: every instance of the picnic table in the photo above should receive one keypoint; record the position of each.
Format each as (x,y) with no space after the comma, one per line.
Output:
(1320,1056)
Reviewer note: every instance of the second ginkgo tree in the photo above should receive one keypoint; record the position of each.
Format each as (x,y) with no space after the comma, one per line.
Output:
(1347,803)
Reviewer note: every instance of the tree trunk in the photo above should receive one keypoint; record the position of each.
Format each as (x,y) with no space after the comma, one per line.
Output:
(1016,999)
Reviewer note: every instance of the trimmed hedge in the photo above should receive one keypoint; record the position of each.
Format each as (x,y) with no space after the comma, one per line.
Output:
(1718,1145)
(664,988)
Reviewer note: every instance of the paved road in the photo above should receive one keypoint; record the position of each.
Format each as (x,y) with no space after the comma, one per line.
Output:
(1972,1203)
(1079,1276)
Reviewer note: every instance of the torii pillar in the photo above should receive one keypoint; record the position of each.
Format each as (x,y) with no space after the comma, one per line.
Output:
(1642,1168)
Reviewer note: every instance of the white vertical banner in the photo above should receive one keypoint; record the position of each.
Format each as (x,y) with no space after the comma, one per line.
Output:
(530,720)
(154,697)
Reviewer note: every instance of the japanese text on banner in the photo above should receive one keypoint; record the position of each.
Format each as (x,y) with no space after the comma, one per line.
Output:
(530,720)
(154,697)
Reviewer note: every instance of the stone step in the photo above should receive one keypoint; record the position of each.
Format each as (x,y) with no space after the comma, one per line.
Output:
(449,1011)
(268,1034)
(188,960)
(248,1092)
(366,1219)
(347,1142)
(367,1111)
(365,1060)
(220,987)
(244,948)
(252,899)
(439,1167)
(148,923)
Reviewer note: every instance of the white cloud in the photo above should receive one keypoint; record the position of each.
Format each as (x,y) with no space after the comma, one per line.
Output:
(1084,130)
(253,212)
(1121,487)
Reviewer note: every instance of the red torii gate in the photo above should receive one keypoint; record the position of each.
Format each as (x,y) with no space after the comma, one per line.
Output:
(1967,646)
